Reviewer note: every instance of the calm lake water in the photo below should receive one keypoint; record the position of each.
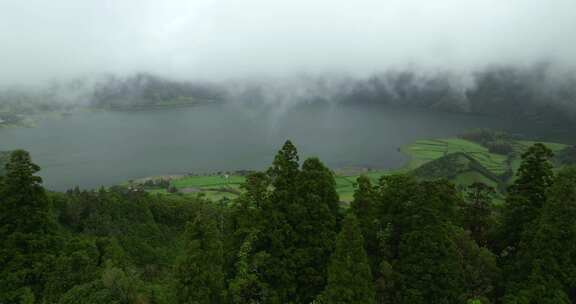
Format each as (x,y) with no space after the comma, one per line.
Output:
(90,149)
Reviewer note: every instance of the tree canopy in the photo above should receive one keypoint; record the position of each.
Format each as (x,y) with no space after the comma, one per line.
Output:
(288,238)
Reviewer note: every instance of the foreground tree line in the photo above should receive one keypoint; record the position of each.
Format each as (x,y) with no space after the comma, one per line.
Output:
(287,239)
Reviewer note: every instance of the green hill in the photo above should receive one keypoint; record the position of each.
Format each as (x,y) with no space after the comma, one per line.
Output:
(459,160)
(460,168)
(465,162)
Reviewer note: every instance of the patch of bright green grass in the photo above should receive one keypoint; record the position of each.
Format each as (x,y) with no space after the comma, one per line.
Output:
(207,181)
(423,151)
(216,187)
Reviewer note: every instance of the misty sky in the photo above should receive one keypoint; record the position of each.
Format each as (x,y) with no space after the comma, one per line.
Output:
(217,39)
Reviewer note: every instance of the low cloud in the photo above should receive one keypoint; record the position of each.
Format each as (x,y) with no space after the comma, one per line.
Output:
(222,39)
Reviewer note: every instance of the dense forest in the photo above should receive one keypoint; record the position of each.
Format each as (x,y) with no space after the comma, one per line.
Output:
(539,93)
(288,239)
(147,90)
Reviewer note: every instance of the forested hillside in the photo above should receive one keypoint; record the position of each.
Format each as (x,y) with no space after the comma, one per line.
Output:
(539,93)
(286,239)
(147,90)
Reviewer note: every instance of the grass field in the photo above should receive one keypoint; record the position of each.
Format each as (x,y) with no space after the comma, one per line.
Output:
(216,187)
(423,151)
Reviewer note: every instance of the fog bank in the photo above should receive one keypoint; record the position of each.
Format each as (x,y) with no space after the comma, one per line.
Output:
(222,39)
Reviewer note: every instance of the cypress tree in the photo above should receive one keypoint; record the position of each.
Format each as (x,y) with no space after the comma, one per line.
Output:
(25,231)
(278,237)
(428,262)
(245,216)
(284,172)
(317,181)
(315,227)
(247,286)
(546,264)
(199,273)
(364,201)
(24,205)
(363,206)
(299,226)
(430,267)
(256,187)
(477,214)
(349,275)
(480,268)
(526,197)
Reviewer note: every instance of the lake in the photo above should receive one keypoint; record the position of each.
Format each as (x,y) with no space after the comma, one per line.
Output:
(90,149)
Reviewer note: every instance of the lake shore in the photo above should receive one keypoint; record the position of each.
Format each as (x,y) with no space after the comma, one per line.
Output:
(218,185)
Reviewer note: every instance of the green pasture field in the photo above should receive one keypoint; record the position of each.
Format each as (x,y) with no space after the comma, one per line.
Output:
(216,187)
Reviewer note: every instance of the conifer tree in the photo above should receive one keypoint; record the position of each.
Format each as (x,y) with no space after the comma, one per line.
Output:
(364,207)
(247,286)
(526,197)
(245,215)
(546,264)
(349,275)
(284,172)
(477,214)
(299,226)
(24,204)
(430,268)
(25,231)
(278,237)
(316,180)
(315,226)
(256,187)
(199,273)
(481,272)
(428,259)
(364,200)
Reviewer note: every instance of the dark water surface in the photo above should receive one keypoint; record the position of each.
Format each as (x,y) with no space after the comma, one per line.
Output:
(90,149)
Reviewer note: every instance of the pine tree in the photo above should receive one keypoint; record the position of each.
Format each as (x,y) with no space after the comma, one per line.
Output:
(349,275)
(25,231)
(199,273)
